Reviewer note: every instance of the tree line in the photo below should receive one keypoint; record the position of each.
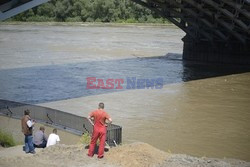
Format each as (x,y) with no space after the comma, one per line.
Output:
(90,11)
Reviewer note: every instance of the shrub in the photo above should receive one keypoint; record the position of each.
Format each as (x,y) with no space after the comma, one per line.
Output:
(90,19)
(6,139)
(131,20)
(85,139)
(39,19)
(73,19)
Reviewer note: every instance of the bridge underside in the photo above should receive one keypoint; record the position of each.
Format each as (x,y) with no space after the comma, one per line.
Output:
(9,8)
(216,30)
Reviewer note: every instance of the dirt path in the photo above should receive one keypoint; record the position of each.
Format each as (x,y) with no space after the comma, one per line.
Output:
(136,155)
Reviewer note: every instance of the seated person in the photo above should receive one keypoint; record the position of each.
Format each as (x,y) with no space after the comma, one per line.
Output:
(53,138)
(40,139)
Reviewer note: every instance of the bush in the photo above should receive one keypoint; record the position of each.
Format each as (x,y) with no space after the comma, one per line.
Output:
(120,21)
(90,11)
(131,20)
(98,20)
(90,19)
(39,19)
(73,19)
(6,139)
(85,139)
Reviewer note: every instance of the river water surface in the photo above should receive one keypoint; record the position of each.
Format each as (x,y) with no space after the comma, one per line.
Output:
(202,109)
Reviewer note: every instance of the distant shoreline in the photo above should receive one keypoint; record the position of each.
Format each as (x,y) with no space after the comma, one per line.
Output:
(99,24)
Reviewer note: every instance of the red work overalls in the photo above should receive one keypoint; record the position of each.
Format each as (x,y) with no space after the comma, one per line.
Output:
(99,131)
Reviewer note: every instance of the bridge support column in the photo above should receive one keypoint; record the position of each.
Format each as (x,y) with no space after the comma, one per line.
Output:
(219,52)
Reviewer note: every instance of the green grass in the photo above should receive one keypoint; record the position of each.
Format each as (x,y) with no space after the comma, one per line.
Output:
(6,139)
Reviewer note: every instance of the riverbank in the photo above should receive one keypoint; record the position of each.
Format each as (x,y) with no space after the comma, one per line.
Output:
(135,154)
(95,24)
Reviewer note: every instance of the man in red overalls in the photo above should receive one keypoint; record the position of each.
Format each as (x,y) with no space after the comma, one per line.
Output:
(100,129)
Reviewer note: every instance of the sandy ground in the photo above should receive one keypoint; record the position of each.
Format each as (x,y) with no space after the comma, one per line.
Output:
(135,154)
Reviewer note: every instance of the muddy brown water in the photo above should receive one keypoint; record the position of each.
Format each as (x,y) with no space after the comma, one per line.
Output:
(203,118)
(207,117)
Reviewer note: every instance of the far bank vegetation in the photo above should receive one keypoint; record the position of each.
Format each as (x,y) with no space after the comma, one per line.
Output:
(115,11)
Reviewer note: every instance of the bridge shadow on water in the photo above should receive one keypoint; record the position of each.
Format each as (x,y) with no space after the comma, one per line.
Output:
(57,82)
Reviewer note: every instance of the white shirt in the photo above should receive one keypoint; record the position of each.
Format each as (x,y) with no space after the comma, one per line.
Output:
(53,139)
(29,123)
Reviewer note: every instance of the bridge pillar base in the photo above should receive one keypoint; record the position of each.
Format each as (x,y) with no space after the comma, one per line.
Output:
(217,52)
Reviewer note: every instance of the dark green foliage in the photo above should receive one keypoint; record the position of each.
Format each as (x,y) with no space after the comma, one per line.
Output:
(90,11)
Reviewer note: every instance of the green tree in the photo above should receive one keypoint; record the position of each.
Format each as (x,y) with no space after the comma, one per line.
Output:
(90,10)
(47,9)
(24,16)
(63,9)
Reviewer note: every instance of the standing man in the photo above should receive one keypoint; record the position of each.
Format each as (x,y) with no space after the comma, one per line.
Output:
(40,139)
(100,117)
(27,128)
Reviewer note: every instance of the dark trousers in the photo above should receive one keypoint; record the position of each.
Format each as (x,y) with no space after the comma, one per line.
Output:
(43,145)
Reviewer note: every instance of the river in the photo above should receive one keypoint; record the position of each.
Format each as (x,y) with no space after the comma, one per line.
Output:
(201,109)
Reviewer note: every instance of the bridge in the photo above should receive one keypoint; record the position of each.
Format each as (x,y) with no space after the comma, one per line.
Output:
(216,30)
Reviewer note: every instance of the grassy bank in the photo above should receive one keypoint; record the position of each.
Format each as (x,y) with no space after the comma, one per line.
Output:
(96,24)
(6,139)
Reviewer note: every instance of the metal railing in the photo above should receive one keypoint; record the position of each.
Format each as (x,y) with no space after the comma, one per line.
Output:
(59,119)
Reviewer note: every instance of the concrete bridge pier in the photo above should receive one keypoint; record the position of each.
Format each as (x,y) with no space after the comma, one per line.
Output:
(217,52)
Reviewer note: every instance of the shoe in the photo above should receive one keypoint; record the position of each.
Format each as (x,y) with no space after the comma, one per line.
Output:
(32,152)
(90,155)
(100,157)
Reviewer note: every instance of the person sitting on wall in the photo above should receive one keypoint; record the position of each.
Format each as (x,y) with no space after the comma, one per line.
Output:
(53,138)
(40,139)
